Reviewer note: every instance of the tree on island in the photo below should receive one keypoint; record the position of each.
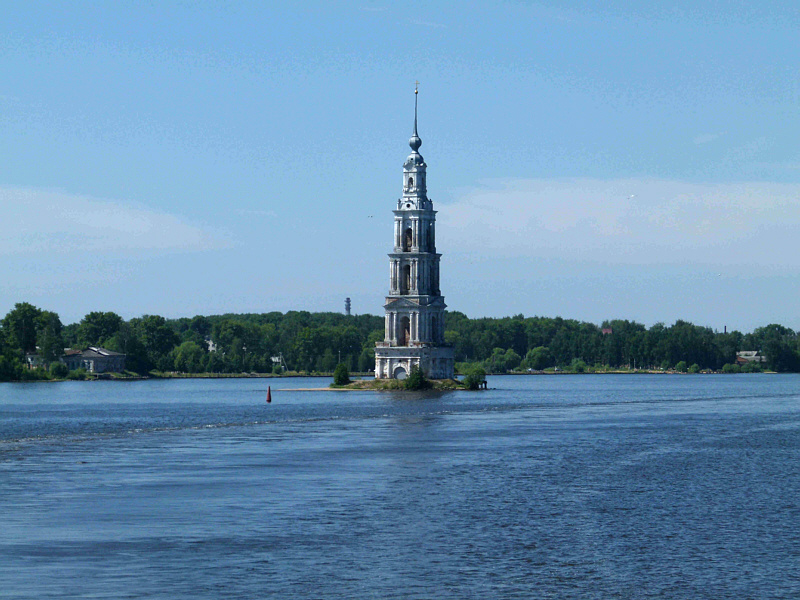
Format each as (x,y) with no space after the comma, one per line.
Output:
(475,378)
(416,380)
(341,376)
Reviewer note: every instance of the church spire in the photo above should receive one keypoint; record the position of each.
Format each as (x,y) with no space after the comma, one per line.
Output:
(415,142)
(414,189)
(416,95)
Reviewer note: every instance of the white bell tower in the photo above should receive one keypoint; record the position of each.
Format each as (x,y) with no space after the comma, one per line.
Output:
(414,307)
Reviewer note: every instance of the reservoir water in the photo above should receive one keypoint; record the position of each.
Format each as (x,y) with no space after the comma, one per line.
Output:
(544,487)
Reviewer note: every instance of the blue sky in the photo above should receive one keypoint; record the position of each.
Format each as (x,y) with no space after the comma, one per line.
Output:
(588,160)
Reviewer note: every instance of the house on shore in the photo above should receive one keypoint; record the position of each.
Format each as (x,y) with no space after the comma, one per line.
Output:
(33,360)
(749,356)
(94,360)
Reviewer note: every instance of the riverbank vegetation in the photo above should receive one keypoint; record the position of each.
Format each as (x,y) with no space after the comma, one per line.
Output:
(312,343)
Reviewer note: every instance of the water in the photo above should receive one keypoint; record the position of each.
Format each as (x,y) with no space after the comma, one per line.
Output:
(546,487)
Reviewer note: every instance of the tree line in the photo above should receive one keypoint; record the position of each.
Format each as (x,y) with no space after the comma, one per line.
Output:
(308,342)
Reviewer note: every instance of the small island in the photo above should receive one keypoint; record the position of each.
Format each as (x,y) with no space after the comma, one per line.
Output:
(416,381)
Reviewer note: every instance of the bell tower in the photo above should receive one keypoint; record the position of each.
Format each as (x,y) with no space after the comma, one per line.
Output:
(414,328)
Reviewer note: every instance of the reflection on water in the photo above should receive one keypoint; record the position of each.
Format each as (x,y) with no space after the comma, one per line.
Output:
(563,487)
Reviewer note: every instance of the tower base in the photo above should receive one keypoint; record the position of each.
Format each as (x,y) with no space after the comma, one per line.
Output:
(396,362)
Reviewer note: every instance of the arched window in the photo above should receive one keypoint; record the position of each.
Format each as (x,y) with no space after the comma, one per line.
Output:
(405,283)
(434,325)
(407,240)
(410,182)
(405,331)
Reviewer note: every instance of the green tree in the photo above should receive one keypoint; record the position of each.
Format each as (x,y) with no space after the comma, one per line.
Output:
(578,366)
(539,358)
(474,377)
(416,380)
(695,368)
(77,375)
(496,363)
(21,326)
(96,328)
(58,370)
(189,358)
(512,359)
(49,338)
(214,363)
(158,340)
(128,342)
(681,367)
(366,360)
(200,325)
(779,345)
(341,376)
(327,361)
(10,360)
(751,367)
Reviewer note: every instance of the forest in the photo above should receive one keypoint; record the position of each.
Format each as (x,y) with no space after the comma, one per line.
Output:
(309,343)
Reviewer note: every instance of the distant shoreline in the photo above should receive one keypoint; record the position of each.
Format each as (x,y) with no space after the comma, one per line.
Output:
(163,376)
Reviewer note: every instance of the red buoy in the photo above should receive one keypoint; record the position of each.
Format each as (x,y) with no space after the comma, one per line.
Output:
(269,394)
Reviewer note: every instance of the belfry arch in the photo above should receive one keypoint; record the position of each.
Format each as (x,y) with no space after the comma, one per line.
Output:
(405,279)
(404,335)
(408,239)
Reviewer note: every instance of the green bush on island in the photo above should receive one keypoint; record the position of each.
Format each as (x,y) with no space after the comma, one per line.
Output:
(729,368)
(695,368)
(416,380)
(681,367)
(474,378)
(341,376)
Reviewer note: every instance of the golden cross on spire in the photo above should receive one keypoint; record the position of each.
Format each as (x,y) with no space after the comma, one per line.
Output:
(416,87)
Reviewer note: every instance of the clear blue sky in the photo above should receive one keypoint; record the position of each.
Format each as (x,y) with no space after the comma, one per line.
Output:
(589,160)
